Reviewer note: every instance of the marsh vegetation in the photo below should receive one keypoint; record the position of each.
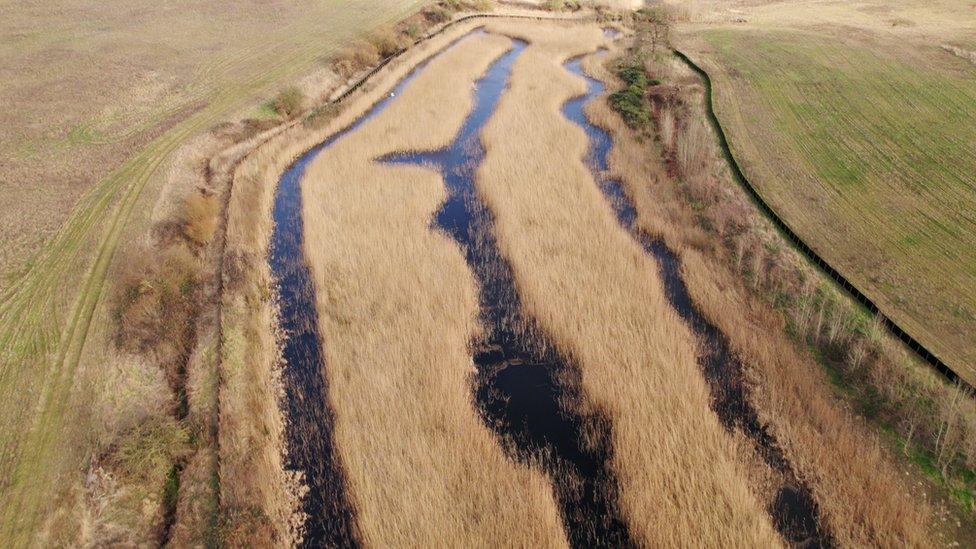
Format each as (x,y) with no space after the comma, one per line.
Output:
(493,280)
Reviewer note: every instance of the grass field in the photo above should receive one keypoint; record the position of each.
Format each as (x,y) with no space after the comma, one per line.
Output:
(847,120)
(84,173)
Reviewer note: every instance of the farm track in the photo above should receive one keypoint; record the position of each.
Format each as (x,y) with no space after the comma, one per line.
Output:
(31,335)
(815,258)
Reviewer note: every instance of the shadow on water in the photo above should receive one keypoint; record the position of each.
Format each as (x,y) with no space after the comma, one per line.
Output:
(522,383)
(794,513)
(329,518)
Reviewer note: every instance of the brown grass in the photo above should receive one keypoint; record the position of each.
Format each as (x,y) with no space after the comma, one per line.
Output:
(248,316)
(598,296)
(200,217)
(854,480)
(397,310)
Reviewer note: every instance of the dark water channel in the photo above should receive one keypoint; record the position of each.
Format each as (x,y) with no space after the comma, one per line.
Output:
(794,512)
(522,384)
(330,521)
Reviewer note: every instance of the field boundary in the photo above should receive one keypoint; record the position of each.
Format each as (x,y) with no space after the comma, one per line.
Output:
(815,258)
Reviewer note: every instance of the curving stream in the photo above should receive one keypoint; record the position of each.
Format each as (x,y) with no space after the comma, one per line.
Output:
(522,383)
(329,518)
(523,386)
(795,514)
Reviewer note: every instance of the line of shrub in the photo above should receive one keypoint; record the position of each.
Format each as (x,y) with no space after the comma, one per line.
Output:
(629,101)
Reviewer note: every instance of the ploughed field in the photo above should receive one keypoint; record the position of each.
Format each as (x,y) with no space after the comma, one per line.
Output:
(849,121)
(484,343)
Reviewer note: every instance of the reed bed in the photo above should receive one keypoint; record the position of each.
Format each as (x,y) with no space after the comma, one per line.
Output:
(252,477)
(857,486)
(598,296)
(397,312)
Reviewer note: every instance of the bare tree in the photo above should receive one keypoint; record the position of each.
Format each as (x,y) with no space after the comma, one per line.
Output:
(653,28)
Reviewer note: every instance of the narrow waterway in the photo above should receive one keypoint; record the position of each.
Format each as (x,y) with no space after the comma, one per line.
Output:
(330,521)
(522,382)
(794,513)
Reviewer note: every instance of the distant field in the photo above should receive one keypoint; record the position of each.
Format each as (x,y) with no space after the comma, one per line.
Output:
(86,85)
(861,140)
(97,97)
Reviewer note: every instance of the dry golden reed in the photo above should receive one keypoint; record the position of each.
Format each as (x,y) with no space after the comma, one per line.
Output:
(252,471)
(856,485)
(598,296)
(397,312)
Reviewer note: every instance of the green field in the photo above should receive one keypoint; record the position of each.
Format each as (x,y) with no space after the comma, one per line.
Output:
(863,142)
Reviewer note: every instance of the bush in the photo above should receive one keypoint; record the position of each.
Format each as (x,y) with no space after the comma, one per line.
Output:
(321,115)
(414,30)
(387,42)
(288,102)
(151,449)
(366,55)
(199,218)
(437,14)
(351,60)
(344,62)
(629,102)
(155,304)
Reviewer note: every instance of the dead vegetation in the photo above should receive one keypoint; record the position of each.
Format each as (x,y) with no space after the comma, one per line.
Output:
(386,42)
(397,311)
(249,348)
(599,298)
